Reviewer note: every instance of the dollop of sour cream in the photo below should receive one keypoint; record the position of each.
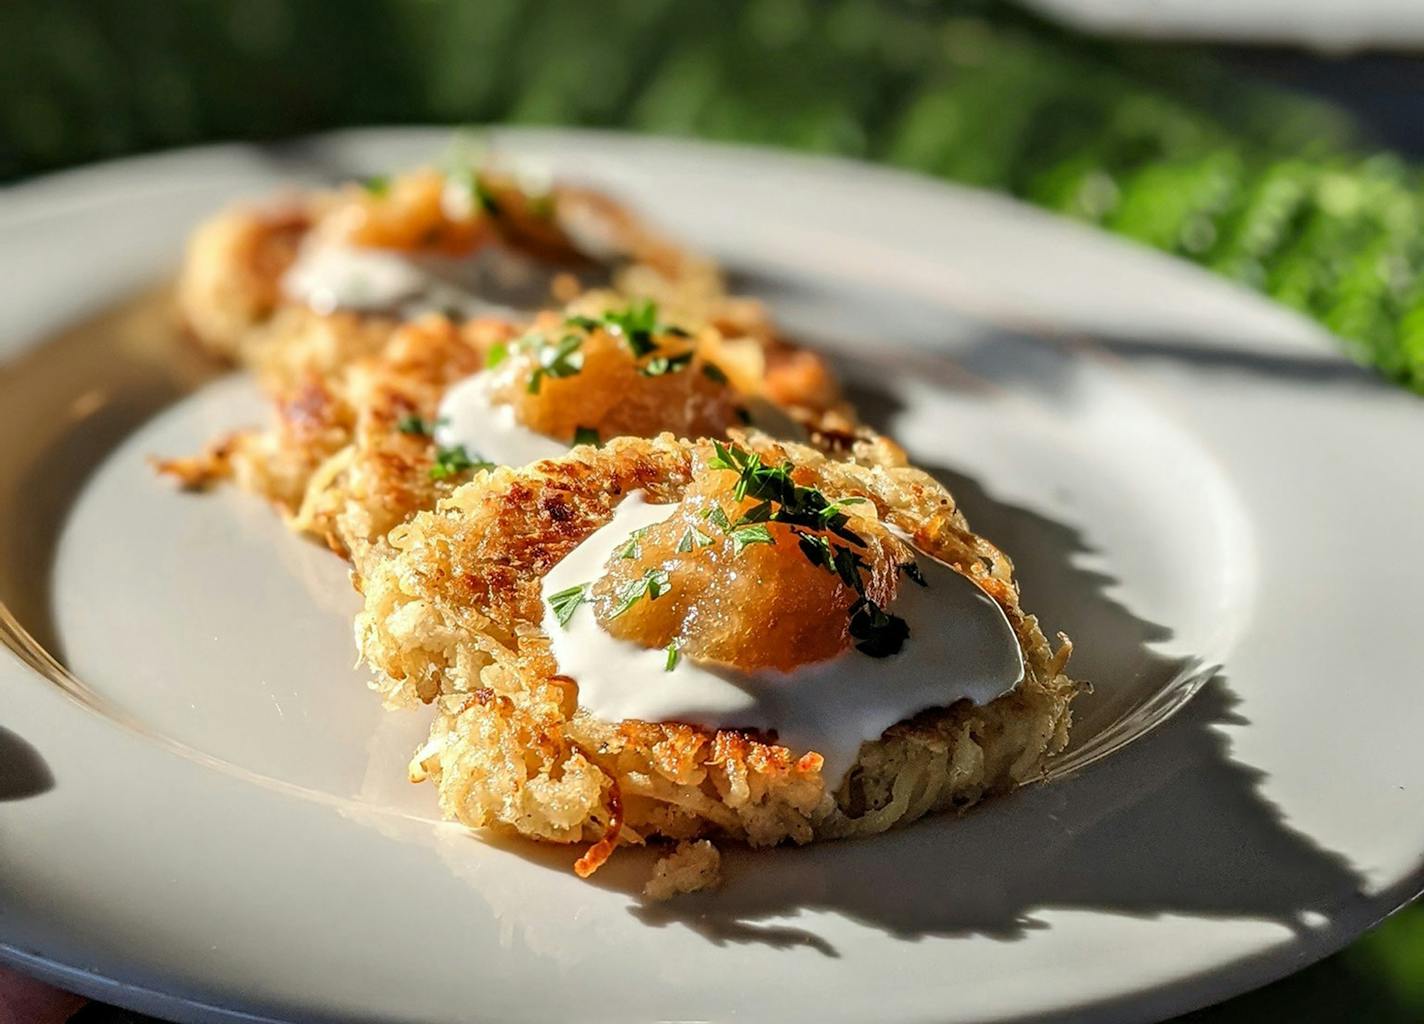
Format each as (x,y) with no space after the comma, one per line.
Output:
(960,646)
(330,276)
(470,417)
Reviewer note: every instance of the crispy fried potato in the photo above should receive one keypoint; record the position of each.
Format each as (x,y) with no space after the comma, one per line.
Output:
(230,284)
(451,570)
(336,462)
(452,616)
(230,293)
(333,461)
(382,474)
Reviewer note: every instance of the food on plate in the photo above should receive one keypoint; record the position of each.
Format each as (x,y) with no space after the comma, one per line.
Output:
(367,310)
(352,455)
(301,285)
(466,237)
(691,867)
(672,639)
(653,577)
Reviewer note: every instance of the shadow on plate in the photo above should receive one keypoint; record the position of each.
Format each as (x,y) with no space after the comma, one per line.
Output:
(1163,827)
(1168,829)
(1169,825)
(23,772)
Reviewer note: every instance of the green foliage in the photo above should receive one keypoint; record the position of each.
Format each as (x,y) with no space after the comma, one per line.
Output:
(1377,980)
(1154,142)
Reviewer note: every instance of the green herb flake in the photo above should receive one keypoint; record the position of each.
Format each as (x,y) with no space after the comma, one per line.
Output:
(453,461)
(672,656)
(414,425)
(488,203)
(638,326)
(566,602)
(561,360)
(630,548)
(744,536)
(879,634)
(377,184)
(653,584)
(586,435)
(912,570)
(497,354)
(660,365)
(848,565)
(758,513)
(822,535)
(816,549)
(692,538)
(723,459)
(718,518)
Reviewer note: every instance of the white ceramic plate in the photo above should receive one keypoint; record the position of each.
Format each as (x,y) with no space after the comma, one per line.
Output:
(205,816)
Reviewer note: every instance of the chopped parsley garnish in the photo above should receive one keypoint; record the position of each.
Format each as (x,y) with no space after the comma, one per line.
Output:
(472,188)
(659,365)
(486,198)
(561,360)
(413,424)
(377,184)
(817,550)
(743,536)
(653,584)
(630,547)
(848,564)
(718,518)
(637,326)
(672,655)
(834,558)
(798,506)
(758,513)
(879,633)
(692,538)
(529,341)
(566,602)
(713,372)
(455,460)
(748,528)
(804,509)
(586,435)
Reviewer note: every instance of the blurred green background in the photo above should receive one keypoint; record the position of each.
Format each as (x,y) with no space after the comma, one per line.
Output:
(1174,146)
(1162,144)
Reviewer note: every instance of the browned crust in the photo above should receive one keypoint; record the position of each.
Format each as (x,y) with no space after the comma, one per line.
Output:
(463,583)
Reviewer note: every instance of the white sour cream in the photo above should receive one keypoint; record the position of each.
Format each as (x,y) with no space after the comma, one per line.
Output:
(960,646)
(329,276)
(470,417)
